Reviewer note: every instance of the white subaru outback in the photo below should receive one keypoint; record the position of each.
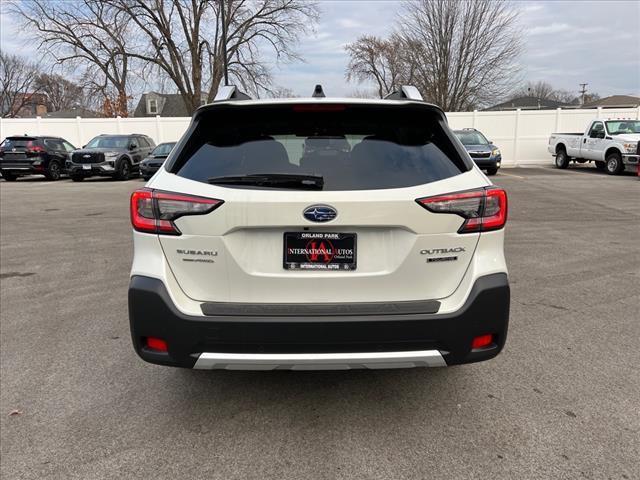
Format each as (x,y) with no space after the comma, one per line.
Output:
(318,233)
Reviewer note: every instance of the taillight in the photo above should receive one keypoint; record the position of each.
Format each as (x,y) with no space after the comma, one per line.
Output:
(483,210)
(154,211)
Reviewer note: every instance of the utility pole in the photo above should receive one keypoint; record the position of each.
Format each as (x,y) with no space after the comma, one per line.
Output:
(583,90)
(224,43)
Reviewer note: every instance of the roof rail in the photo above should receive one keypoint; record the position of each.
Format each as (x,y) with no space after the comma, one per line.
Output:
(408,92)
(230,92)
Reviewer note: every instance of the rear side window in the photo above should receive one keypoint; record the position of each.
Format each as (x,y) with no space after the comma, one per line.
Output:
(351,147)
(53,144)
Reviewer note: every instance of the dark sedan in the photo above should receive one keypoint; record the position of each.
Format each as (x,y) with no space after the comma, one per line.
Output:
(484,153)
(156,158)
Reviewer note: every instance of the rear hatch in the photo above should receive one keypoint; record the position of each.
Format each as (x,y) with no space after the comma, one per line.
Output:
(341,222)
(17,152)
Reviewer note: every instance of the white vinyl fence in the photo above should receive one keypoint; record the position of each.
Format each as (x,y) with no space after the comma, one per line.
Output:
(522,135)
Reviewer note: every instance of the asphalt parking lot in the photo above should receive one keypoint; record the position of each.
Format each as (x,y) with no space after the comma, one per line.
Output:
(561,401)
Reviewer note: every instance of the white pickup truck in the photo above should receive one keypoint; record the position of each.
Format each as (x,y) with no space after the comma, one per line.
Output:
(614,146)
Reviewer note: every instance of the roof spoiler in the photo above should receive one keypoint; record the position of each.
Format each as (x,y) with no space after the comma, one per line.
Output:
(406,92)
(230,92)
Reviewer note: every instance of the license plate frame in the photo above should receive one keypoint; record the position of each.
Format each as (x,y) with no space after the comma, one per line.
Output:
(332,251)
(86,167)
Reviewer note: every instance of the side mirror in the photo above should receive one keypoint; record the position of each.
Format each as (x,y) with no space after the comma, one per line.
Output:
(133,146)
(84,146)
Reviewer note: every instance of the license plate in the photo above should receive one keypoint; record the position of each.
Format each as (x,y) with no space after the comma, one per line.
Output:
(319,251)
(86,167)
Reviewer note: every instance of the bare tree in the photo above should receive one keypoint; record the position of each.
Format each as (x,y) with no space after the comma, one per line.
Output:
(545,91)
(364,93)
(281,92)
(17,84)
(90,36)
(61,93)
(539,89)
(464,52)
(183,39)
(460,54)
(379,60)
(565,96)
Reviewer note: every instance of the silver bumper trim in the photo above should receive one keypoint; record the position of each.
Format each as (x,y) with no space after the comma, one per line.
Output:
(319,361)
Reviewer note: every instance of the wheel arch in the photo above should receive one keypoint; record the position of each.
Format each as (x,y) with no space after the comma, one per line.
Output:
(612,150)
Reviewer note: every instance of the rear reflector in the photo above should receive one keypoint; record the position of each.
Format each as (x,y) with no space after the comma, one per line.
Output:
(154,211)
(156,344)
(483,210)
(481,341)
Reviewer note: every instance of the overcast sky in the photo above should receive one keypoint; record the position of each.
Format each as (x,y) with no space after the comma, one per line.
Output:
(565,44)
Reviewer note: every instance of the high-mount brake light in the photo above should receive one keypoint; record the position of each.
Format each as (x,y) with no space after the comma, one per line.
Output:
(483,210)
(154,211)
(321,107)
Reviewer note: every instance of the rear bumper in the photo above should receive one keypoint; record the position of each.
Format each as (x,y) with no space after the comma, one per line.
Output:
(263,341)
(22,168)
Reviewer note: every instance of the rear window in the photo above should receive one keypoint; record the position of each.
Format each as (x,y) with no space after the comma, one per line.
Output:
(19,143)
(351,147)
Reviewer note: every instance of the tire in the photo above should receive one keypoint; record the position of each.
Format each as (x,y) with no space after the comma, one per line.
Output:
(9,177)
(562,159)
(601,165)
(492,171)
(613,164)
(124,170)
(76,178)
(53,171)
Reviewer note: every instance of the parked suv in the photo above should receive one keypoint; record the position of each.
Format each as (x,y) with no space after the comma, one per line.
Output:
(484,153)
(115,156)
(318,233)
(28,155)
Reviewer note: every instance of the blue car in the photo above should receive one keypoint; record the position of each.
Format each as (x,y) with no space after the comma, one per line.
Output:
(484,153)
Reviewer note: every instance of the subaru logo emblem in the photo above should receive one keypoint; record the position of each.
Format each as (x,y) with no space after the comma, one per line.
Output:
(320,213)
(86,156)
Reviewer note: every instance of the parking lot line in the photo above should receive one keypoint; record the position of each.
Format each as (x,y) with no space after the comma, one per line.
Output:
(511,175)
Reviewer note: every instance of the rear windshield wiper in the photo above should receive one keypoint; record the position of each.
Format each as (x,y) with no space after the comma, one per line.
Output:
(275,180)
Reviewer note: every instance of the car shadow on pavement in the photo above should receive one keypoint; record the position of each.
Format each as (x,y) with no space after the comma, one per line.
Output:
(594,171)
(335,396)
